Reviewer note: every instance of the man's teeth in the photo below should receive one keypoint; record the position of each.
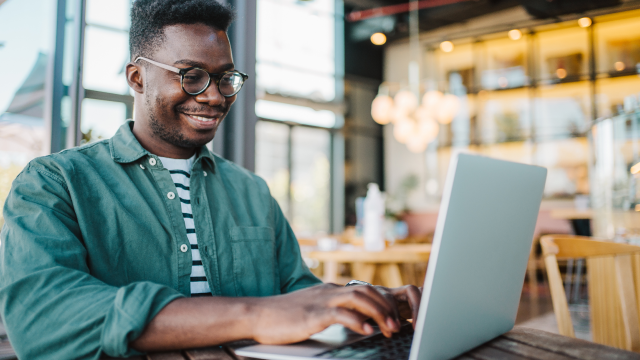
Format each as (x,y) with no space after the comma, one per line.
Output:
(202,118)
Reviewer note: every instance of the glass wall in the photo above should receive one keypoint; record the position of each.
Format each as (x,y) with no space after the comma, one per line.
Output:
(295,160)
(532,98)
(107,103)
(298,83)
(25,53)
(273,160)
(296,48)
(615,169)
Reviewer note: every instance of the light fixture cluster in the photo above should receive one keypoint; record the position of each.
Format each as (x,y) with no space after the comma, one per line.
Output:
(415,124)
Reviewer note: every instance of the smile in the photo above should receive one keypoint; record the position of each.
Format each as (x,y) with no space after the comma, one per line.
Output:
(202,118)
(203,122)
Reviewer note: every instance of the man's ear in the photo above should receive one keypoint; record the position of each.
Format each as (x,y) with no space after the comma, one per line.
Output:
(134,77)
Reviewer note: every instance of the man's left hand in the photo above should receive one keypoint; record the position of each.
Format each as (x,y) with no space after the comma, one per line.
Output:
(406,298)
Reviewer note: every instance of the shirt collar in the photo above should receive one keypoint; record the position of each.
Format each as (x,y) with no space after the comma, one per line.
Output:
(125,148)
(205,153)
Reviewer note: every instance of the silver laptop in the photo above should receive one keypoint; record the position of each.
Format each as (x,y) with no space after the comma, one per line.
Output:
(475,274)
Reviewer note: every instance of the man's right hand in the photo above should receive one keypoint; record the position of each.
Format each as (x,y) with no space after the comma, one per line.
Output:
(296,316)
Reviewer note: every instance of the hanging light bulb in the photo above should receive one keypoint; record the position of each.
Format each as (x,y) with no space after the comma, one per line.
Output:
(427,128)
(421,113)
(446,46)
(382,109)
(403,129)
(584,22)
(378,38)
(405,102)
(417,144)
(431,101)
(448,109)
(515,34)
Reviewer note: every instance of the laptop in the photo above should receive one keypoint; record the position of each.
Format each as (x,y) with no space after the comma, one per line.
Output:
(475,274)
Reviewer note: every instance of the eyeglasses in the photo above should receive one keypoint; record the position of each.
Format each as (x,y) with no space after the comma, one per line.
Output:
(195,80)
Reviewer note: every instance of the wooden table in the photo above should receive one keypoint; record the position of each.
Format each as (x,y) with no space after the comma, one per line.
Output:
(571,214)
(518,344)
(580,219)
(366,264)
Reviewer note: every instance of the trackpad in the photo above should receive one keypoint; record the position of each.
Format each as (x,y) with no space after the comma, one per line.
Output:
(330,338)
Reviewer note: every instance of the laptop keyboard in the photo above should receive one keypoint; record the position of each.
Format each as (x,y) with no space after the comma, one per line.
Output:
(376,347)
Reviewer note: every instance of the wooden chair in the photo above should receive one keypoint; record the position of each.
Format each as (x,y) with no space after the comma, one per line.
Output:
(613,275)
(533,265)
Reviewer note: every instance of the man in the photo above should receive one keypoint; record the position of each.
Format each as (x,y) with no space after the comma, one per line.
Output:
(106,246)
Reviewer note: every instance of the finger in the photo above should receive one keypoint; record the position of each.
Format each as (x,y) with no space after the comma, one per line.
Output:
(405,296)
(413,295)
(351,320)
(383,297)
(390,298)
(363,304)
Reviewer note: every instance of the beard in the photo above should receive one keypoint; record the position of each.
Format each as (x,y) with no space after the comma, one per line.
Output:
(170,131)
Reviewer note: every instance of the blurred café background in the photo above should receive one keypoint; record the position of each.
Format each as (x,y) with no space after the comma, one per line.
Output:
(344,93)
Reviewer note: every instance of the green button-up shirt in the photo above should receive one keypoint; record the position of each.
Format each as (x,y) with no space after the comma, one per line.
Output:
(91,249)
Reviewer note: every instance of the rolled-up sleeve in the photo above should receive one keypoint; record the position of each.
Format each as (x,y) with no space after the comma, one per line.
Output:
(52,307)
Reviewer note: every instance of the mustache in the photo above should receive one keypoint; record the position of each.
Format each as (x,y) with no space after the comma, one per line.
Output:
(202,109)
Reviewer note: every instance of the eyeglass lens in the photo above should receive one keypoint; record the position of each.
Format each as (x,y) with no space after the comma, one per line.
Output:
(196,80)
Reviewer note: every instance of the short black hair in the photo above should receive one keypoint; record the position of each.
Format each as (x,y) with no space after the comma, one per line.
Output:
(150,17)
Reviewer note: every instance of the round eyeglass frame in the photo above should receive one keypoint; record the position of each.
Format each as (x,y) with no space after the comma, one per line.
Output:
(217,78)
(182,72)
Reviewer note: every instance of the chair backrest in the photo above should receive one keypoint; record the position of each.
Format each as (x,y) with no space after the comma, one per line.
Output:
(614,291)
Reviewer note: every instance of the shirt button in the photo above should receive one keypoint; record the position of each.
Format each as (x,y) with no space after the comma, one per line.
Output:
(171,195)
(141,166)
(152,161)
(205,173)
(184,248)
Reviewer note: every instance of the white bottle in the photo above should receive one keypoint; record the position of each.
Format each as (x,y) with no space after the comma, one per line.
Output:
(373,229)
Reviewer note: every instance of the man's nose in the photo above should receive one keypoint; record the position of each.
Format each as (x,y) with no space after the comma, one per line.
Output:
(211,96)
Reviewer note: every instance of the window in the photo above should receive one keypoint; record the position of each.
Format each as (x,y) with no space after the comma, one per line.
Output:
(294,160)
(310,179)
(25,49)
(297,81)
(107,102)
(273,159)
(296,48)
(106,50)
(101,119)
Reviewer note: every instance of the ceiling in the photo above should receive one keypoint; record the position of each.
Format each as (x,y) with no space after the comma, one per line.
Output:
(365,60)
(396,26)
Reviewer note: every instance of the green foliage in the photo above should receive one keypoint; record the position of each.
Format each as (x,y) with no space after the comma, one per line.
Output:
(508,126)
(397,201)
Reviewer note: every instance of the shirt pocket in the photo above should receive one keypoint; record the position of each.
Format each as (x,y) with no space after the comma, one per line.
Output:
(254,261)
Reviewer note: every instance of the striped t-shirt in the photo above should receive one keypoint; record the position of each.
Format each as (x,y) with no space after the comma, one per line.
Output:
(180,170)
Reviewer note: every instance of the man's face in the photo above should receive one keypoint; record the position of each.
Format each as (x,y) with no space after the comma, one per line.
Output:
(173,116)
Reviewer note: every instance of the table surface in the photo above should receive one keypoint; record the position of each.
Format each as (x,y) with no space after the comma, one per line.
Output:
(401,253)
(571,214)
(518,344)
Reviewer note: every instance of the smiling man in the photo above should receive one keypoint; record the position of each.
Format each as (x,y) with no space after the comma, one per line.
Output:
(148,241)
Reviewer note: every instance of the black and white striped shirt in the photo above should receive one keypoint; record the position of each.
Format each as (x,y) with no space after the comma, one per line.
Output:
(180,170)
